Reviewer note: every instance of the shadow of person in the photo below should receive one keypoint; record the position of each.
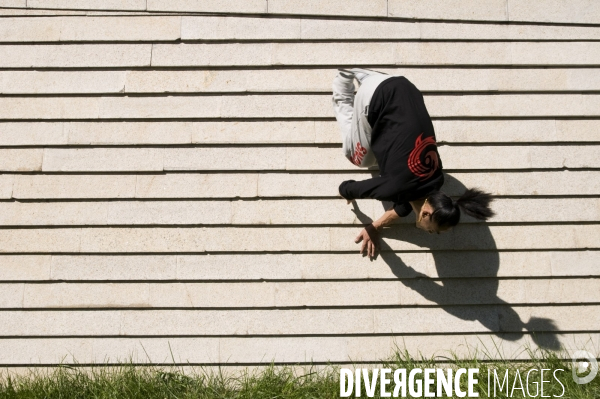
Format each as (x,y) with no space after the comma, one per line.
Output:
(467,263)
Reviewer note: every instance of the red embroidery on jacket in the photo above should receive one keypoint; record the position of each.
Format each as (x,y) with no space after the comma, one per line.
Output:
(423,166)
(359,154)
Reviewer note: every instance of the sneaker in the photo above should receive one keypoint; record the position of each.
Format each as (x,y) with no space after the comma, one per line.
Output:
(346,73)
(362,74)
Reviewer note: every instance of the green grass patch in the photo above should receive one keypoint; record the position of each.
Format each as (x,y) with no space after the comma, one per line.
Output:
(148,382)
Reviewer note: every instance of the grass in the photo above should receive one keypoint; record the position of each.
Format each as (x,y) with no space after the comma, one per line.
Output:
(149,382)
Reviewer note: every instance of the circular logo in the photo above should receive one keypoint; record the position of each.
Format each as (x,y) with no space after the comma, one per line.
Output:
(423,160)
(583,362)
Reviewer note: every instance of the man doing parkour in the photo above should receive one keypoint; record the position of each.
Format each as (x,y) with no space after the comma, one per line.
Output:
(387,124)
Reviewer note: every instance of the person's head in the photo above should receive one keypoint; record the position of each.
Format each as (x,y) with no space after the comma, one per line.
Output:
(440,212)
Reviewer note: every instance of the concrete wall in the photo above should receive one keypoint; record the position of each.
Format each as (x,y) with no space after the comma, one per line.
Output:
(168,181)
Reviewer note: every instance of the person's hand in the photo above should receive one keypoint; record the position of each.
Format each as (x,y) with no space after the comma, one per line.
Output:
(348,201)
(370,240)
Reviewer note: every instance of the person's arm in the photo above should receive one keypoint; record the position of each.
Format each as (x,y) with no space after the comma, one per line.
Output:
(370,234)
(376,188)
(343,108)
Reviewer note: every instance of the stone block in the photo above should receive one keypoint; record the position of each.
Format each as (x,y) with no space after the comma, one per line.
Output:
(21,159)
(129,133)
(487,10)
(169,212)
(114,267)
(32,133)
(40,240)
(211,6)
(59,82)
(67,295)
(225,158)
(52,213)
(255,132)
(103,159)
(230,54)
(122,28)
(561,11)
(127,5)
(25,267)
(160,107)
(233,28)
(74,186)
(39,108)
(75,55)
(369,8)
(178,185)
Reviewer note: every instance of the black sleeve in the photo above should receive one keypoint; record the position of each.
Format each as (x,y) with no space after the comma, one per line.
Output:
(403,209)
(381,188)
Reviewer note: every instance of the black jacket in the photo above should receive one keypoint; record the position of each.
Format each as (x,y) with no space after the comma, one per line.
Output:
(403,142)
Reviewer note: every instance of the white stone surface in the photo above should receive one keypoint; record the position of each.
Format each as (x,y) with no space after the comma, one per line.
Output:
(287,106)
(213,6)
(129,5)
(282,132)
(6,185)
(89,28)
(180,185)
(188,159)
(292,321)
(285,266)
(571,12)
(21,160)
(103,159)
(371,8)
(291,294)
(235,350)
(130,133)
(74,186)
(486,10)
(75,55)
(25,267)
(470,79)
(13,3)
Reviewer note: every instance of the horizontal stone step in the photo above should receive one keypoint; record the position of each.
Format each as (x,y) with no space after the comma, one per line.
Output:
(458,319)
(99,159)
(247,185)
(13,3)
(291,80)
(131,186)
(281,132)
(210,6)
(6,186)
(261,239)
(232,28)
(262,350)
(282,158)
(524,183)
(293,294)
(31,12)
(286,106)
(498,10)
(89,28)
(75,56)
(127,5)
(269,212)
(172,28)
(489,10)
(19,159)
(582,53)
(408,53)
(339,266)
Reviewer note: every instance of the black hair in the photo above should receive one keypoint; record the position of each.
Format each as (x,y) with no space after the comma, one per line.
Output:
(473,202)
